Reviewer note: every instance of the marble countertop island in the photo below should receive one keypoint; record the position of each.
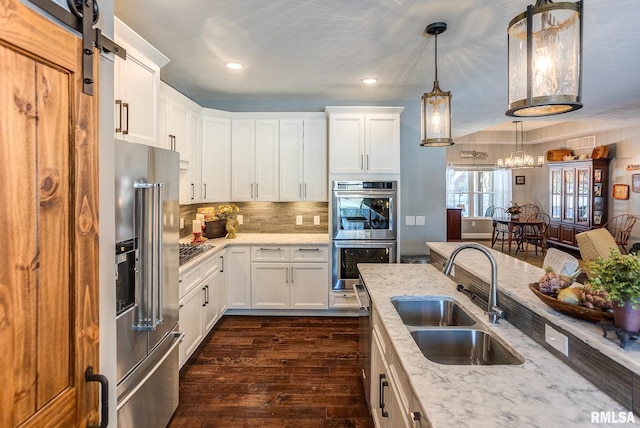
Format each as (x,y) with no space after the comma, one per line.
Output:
(541,392)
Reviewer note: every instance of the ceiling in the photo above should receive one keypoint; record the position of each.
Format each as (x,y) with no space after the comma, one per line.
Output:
(310,50)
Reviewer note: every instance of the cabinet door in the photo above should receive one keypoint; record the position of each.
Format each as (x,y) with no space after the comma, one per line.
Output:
(583,196)
(309,285)
(179,129)
(138,86)
(315,160)
(291,160)
(216,159)
(270,285)
(382,147)
(163,140)
(223,295)
(346,143)
(195,173)
(267,160)
(243,135)
(238,267)
(191,322)
(210,302)
(379,384)
(556,195)
(568,195)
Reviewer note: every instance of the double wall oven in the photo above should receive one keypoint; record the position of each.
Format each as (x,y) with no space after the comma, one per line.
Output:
(364,227)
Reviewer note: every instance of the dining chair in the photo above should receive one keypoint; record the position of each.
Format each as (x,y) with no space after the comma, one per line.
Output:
(620,228)
(527,210)
(534,231)
(500,230)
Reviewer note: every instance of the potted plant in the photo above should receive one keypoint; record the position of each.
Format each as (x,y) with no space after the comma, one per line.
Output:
(619,276)
(216,223)
(514,210)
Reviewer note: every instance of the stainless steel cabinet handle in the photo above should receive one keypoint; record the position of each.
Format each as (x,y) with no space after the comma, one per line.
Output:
(270,249)
(257,191)
(118,117)
(251,190)
(222,264)
(367,162)
(125,130)
(361,161)
(383,384)
(305,190)
(205,190)
(292,274)
(193,191)
(300,190)
(308,249)
(286,275)
(204,296)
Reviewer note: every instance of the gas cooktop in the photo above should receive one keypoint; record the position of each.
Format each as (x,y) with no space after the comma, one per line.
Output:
(189,251)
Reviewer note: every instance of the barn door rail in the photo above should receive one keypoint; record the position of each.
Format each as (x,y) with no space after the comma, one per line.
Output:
(83,16)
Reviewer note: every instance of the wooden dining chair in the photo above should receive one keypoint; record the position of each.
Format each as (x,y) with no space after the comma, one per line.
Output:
(534,231)
(620,227)
(527,210)
(500,230)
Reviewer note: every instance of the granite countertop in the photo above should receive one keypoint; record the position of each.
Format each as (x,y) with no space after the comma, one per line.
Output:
(542,392)
(516,286)
(248,239)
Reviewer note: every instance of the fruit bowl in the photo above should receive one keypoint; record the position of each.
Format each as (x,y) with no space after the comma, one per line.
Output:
(593,315)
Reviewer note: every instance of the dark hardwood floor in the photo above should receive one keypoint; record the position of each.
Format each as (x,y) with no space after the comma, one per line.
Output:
(256,371)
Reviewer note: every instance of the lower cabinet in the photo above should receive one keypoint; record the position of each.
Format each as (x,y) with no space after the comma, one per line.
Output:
(200,307)
(238,275)
(285,277)
(392,402)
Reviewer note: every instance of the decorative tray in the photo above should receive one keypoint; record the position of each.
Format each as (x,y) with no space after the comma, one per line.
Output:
(593,315)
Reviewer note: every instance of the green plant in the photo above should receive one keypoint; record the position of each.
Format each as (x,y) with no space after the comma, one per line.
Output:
(225,212)
(619,276)
(514,208)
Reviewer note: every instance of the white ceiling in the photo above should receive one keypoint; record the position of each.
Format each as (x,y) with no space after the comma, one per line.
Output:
(299,50)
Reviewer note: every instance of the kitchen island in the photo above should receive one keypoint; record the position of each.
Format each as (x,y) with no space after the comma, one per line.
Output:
(541,392)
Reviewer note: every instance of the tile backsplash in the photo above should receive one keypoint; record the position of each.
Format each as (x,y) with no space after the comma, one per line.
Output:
(268,217)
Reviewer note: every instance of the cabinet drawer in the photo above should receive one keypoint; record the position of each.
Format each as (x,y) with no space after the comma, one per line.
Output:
(189,280)
(343,299)
(208,266)
(310,254)
(270,254)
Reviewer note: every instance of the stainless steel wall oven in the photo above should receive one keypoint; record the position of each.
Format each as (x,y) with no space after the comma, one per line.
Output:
(364,226)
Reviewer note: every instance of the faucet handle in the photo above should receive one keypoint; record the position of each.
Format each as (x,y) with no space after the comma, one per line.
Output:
(495,313)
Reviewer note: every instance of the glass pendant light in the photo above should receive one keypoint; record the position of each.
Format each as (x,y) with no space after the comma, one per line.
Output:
(435,115)
(545,59)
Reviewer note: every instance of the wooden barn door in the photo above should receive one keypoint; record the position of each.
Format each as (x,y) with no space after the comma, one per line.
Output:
(48,224)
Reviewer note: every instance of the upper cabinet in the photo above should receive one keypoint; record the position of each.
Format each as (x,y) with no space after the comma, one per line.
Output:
(364,140)
(303,159)
(136,88)
(215,156)
(254,159)
(175,125)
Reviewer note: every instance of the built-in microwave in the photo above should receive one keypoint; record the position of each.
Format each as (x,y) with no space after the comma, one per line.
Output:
(364,210)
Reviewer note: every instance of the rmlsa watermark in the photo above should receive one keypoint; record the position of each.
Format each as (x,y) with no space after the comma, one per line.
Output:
(612,417)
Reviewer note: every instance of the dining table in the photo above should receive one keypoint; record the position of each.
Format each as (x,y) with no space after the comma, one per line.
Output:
(514,225)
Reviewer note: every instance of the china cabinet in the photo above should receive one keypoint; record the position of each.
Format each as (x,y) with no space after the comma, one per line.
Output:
(578,199)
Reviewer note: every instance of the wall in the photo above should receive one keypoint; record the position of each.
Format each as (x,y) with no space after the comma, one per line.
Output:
(268,217)
(422,187)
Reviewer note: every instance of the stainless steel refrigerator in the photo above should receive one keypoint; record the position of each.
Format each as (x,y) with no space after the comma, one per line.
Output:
(146,256)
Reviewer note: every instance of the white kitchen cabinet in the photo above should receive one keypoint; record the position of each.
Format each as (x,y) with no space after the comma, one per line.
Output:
(254,160)
(191,322)
(136,88)
(364,139)
(281,280)
(194,188)
(215,160)
(303,160)
(210,305)
(238,267)
(177,129)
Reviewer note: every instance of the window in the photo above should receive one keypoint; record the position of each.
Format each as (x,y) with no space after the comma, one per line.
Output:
(478,190)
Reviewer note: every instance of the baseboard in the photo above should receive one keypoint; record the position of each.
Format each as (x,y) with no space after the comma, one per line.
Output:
(476,235)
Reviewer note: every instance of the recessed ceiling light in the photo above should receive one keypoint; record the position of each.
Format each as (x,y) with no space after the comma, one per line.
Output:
(370,80)
(234,65)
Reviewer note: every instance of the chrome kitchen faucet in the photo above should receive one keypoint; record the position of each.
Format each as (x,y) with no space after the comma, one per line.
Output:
(493,310)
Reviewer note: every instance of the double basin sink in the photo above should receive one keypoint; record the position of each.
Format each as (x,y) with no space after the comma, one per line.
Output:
(447,334)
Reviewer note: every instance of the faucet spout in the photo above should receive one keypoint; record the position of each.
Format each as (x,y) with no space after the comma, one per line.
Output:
(493,310)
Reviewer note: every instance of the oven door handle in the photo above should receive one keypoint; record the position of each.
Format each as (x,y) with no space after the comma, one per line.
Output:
(355,289)
(365,193)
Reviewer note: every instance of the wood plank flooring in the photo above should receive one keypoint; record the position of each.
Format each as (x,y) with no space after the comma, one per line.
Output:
(274,372)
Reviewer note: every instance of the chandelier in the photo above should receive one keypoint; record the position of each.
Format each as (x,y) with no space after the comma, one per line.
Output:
(435,115)
(520,159)
(545,59)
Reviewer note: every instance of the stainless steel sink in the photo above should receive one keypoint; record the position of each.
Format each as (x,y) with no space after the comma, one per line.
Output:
(440,312)
(463,347)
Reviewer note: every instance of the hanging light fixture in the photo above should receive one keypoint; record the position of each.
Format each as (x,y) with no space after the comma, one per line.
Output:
(435,117)
(520,159)
(545,59)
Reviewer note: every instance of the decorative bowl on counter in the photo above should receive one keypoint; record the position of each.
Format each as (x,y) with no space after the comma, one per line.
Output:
(593,315)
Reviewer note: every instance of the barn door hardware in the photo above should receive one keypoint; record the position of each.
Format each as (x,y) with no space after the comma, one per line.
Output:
(90,37)
(90,376)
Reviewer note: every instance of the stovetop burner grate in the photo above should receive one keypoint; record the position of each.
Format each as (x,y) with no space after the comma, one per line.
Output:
(189,251)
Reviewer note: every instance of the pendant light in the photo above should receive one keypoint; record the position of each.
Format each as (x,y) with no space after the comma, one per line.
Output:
(520,159)
(545,59)
(435,117)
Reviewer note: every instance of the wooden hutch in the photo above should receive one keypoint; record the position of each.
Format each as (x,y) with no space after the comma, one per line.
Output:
(578,199)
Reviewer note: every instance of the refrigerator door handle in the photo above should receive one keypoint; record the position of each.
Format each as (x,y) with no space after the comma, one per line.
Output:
(179,335)
(148,220)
